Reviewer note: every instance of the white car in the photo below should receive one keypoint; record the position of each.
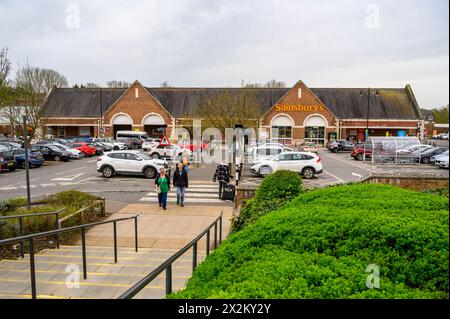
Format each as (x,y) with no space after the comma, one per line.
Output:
(169,151)
(129,163)
(441,160)
(264,152)
(305,163)
(254,145)
(150,143)
(110,142)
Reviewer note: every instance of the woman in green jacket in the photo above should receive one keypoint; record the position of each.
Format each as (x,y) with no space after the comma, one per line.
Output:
(162,185)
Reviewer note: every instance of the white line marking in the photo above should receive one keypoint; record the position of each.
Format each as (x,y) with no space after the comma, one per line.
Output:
(67,178)
(70,170)
(357,175)
(347,162)
(341,180)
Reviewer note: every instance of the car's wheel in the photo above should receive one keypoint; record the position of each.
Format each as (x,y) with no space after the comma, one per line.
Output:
(265,170)
(12,169)
(107,171)
(156,155)
(426,160)
(308,172)
(335,150)
(150,172)
(116,148)
(23,165)
(57,158)
(360,157)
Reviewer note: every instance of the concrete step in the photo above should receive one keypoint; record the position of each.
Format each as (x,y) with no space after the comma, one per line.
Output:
(56,270)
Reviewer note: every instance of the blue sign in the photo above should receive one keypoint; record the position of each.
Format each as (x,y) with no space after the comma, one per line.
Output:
(401,133)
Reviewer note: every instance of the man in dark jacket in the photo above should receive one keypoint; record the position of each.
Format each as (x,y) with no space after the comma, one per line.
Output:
(222,175)
(181,182)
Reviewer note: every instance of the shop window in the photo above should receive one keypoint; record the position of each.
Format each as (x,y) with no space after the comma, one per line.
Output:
(283,131)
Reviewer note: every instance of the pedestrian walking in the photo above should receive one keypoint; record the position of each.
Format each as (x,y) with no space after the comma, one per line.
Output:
(181,182)
(162,186)
(222,175)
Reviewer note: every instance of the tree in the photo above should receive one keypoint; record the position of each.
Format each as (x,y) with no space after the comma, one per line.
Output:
(227,108)
(118,84)
(32,85)
(441,114)
(165,84)
(5,66)
(270,84)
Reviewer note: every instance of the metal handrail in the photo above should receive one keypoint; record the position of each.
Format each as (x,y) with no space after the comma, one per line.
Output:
(167,265)
(22,216)
(82,228)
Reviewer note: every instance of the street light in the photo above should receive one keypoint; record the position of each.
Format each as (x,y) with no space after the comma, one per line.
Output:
(366,137)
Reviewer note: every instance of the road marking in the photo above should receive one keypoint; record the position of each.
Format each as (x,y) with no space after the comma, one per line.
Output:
(346,162)
(357,175)
(341,180)
(92,161)
(70,170)
(86,179)
(48,185)
(68,178)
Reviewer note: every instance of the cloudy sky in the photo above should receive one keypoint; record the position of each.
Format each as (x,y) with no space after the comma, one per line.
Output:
(326,43)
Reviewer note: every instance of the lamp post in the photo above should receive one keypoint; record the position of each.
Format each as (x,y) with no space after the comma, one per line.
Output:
(366,136)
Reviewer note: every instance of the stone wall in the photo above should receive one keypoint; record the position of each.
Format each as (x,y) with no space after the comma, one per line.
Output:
(417,182)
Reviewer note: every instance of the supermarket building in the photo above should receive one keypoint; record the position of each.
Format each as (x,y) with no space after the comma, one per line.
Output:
(299,113)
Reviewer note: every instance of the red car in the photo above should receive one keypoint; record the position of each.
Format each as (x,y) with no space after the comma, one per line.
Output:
(192,147)
(86,149)
(360,150)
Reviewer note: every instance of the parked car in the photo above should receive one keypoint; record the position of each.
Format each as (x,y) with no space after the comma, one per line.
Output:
(306,163)
(6,159)
(340,146)
(426,155)
(75,154)
(35,159)
(193,147)
(441,160)
(106,147)
(127,141)
(254,145)
(54,140)
(265,151)
(416,149)
(360,151)
(129,163)
(99,149)
(52,152)
(115,145)
(150,143)
(310,147)
(11,145)
(86,149)
(169,151)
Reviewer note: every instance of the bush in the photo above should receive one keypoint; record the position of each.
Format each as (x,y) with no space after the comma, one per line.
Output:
(275,191)
(320,244)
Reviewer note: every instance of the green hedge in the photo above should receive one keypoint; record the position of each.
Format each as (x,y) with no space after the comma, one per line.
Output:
(319,245)
(275,191)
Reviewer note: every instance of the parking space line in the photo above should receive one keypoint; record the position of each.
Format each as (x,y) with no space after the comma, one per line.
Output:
(70,170)
(334,176)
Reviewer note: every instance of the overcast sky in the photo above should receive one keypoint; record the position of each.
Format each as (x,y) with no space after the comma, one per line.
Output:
(325,43)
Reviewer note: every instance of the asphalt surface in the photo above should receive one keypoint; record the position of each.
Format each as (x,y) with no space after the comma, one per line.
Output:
(82,175)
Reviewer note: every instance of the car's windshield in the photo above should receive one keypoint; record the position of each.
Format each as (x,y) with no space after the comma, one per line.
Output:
(54,148)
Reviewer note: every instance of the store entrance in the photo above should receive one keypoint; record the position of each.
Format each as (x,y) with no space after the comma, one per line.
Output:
(315,134)
(155,131)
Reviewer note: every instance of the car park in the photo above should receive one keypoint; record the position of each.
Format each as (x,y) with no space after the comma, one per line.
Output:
(169,151)
(35,159)
(361,151)
(425,155)
(104,146)
(340,146)
(127,141)
(7,161)
(306,163)
(129,163)
(86,149)
(52,152)
(75,154)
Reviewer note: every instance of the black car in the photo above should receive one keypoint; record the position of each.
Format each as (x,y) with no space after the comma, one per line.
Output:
(425,157)
(341,146)
(7,159)
(53,141)
(51,152)
(101,147)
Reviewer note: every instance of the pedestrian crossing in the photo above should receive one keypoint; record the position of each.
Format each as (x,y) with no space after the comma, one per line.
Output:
(197,193)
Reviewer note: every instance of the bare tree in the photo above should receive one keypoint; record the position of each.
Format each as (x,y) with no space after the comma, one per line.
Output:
(5,66)
(118,84)
(91,85)
(270,84)
(227,109)
(165,84)
(32,85)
